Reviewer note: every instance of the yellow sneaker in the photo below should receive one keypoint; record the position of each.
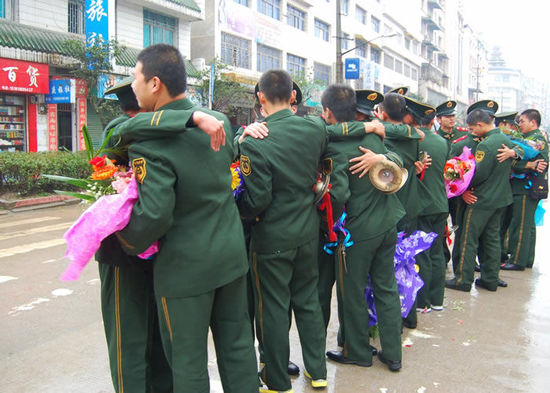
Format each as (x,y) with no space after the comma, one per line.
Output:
(265,390)
(316,383)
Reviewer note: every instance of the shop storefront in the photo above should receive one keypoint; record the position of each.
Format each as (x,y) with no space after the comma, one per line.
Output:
(20,83)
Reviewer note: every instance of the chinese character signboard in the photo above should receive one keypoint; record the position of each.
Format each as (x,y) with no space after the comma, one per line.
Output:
(105,82)
(52,127)
(61,91)
(81,121)
(24,77)
(352,68)
(97,21)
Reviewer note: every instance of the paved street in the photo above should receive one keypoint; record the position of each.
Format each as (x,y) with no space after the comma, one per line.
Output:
(52,335)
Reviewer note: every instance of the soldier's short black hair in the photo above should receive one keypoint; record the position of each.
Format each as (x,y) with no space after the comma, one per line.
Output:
(128,101)
(395,106)
(427,119)
(341,100)
(276,85)
(165,62)
(532,114)
(479,116)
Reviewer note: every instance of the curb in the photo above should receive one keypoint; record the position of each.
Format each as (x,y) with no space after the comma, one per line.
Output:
(21,205)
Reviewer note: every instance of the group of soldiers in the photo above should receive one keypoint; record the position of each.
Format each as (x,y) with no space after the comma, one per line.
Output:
(298,243)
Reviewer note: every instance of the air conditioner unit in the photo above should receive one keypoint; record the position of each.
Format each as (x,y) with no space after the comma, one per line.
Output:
(199,63)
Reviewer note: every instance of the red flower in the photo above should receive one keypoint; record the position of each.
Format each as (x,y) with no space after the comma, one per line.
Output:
(453,187)
(97,162)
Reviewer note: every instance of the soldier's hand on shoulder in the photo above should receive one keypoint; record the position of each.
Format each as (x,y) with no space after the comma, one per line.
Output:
(255,130)
(504,153)
(365,162)
(212,127)
(421,133)
(376,127)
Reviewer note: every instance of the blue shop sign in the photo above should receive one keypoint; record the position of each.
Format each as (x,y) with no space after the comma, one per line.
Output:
(352,68)
(61,92)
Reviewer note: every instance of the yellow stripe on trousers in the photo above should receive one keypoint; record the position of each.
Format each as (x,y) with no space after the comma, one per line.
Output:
(166,316)
(520,237)
(464,245)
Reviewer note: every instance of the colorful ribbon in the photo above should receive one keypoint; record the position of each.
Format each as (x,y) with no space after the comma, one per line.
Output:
(339,226)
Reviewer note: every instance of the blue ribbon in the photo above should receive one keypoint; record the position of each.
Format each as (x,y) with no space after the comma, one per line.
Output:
(529,185)
(339,227)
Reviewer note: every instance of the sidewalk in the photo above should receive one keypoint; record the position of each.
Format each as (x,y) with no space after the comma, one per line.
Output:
(26,204)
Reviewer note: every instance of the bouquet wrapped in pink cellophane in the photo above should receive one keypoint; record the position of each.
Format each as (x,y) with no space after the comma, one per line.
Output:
(109,214)
(458,173)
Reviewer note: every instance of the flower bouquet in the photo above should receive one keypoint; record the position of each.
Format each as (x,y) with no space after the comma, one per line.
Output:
(237,183)
(406,271)
(458,173)
(112,192)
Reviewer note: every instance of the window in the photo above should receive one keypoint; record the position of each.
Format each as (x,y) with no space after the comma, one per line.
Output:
(398,66)
(360,15)
(361,48)
(268,58)
(321,73)
(345,40)
(242,2)
(296,18)
(345,6)
(296,66)
(321,30)
(375,24)
(158,29)
(407,70)
(76,16)
(408,43)
(414,74)
(388,61)
(375,55)
(235,51)
(270,8)
(7,9)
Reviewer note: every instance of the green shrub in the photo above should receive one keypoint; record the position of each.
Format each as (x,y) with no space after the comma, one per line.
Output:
(20,172)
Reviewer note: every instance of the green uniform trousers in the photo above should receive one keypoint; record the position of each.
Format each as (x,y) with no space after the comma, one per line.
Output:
(480,237)
(285,279)
(372,257)
(136,357)
(522,231)
(184,324)
(432,262)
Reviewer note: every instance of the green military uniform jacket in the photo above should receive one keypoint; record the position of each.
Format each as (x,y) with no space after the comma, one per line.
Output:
(490,182)
(279,173)
(535,137)
(370,212)
(450,137)
(185,202)
(433,180)
(471,141)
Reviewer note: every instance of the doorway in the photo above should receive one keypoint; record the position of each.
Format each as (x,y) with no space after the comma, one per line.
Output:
(64,127)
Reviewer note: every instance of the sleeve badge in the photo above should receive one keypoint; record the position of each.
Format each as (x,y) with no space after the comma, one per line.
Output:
(246,169)
(139,168)
(480,155)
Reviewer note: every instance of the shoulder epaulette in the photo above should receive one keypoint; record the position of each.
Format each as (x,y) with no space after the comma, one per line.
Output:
(463,129)
(460,139)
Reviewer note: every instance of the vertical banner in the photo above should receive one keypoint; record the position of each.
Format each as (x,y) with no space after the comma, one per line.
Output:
(52,127)
(97,21)
(211,85)
(81,102)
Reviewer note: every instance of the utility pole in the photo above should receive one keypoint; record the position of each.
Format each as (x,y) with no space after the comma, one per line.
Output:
(339,66)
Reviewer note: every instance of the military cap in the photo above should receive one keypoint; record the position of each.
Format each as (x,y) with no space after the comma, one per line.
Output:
(448,108)
(489,106)
(123,90)
(294,87)
(399,90)
(418,110)
(506,117)
(366,101)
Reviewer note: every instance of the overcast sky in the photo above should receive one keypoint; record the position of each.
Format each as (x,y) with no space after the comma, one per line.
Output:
(520,28)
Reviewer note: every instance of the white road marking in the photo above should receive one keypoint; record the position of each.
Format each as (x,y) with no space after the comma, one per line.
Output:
(28,306)
(419,334)
(216,386)
(407,342)
(4,279)
(32,231)
(61,292)
(50,261)
(8,252)
(26,222)
(421,389)
(93,281)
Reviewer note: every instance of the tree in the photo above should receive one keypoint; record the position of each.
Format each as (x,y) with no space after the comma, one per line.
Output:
(94,61)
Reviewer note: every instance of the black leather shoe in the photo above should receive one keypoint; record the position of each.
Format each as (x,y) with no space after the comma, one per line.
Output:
(409,324)
(393,365)
(483,284)
(338,356)
(293,369)
(502,283)
(512,266)
(451,284)
(477,268)
(374,351)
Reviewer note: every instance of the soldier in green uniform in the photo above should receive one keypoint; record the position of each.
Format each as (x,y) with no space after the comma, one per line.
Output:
(433,218)
(279,172)
(200,269)
(446,117)
(489,193)
(522,227)
(128,305)
(371,219)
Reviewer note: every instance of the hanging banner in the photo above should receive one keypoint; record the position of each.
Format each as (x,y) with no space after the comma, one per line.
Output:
(52,127)
(82,113)
(97,21)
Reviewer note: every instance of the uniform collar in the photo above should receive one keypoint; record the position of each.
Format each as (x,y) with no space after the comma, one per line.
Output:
(280,115)
(492,132)
(184,103)
(530,133)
